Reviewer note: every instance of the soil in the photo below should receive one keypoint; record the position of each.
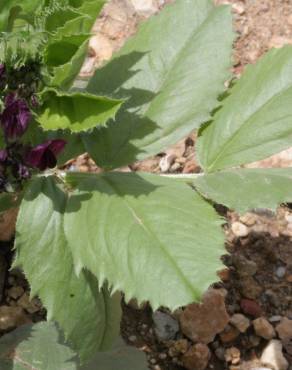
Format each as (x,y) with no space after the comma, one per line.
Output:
(257,281)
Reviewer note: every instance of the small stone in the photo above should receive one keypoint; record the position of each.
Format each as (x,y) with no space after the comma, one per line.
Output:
(30,306)
(180,346)
(191,166)
(132,338)
(197,357)
(241,322)
(12,317)
(284,329)
(249,219)
(273,356)
(275,318)
(201,322)
(254,341)
(239,8)
(144,7)
(229,334)
(15,292)
(220,353)
(162,356)
(280,272)
(244,266)
(175,167)
(166,327)
(232,355)
(250,288)
(166,162)
(239,229)
(250,307)
(289,278)
(224,274)
(263,328)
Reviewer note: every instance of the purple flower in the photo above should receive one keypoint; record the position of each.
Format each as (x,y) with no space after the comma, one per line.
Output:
(3,155)
(15,117)
(44,155)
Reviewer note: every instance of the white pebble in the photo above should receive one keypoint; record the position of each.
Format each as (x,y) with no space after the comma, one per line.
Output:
(280,272)
(239,229)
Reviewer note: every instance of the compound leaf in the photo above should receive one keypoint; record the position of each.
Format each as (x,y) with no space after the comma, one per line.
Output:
(171,83)
(75,111)
(144,228)
(88,316)
(256,119)
(245,189)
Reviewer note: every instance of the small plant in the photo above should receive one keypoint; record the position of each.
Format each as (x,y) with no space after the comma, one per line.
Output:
(81,238)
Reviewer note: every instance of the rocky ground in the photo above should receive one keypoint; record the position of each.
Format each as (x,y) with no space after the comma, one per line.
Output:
(245,320)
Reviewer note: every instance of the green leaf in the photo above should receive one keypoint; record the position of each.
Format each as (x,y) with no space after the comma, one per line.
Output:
(245,189)
(88,316)
(59,17)
(75,111)
(91,8)
(144,228)
(64,58)
(38,346)
(172,81)
(256,119)
(77,28)
(83,24)
(122,357)
(60,52)
(64,75)
(16,48)
(10,10)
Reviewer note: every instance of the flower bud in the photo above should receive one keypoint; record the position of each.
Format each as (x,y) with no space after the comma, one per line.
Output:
(15,117)
(44,156)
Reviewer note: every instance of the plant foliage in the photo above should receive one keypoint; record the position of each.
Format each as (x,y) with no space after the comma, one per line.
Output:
(82,238)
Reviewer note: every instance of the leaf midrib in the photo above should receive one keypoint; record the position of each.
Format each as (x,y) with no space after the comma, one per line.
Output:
(148,230)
